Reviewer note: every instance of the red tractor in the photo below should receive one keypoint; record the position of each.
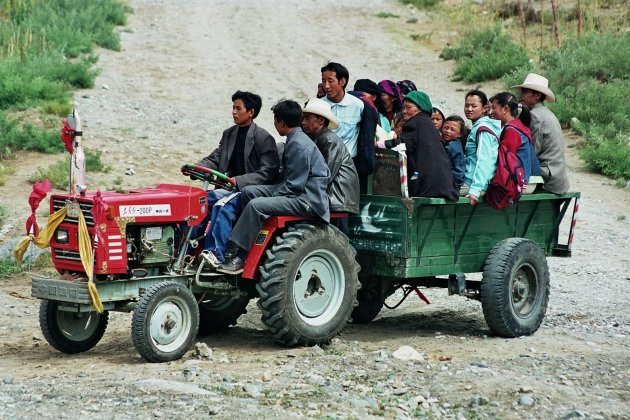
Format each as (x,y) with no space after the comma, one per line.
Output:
(144,261)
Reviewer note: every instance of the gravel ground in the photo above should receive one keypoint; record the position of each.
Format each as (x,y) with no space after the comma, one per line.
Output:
(163,101)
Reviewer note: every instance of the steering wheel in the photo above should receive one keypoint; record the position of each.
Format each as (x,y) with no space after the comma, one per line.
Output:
(202,173)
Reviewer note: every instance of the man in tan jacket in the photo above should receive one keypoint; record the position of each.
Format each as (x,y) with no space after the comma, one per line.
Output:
(546,133)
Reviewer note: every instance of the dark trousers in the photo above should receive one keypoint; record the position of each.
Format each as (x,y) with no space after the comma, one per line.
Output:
(259,204)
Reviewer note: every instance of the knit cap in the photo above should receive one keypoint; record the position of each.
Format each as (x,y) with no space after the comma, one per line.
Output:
(421,99)
(406,86)
(391,88)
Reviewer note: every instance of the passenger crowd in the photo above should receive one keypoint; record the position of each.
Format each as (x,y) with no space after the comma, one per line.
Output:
(332,141)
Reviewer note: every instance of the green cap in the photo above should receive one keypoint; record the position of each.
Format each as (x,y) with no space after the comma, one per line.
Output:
(421,99)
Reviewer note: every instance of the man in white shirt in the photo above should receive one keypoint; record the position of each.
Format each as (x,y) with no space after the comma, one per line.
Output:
(345,107)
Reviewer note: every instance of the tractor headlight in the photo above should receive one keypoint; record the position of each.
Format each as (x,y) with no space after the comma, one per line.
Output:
(61,236)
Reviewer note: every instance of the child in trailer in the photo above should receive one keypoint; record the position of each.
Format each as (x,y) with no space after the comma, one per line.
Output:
(454,132)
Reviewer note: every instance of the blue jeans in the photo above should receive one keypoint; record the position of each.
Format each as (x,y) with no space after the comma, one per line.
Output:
(224,207)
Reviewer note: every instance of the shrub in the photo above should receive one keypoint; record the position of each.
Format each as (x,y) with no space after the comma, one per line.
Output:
(45,53)
(591,80)
(57,174)
(486,55)
(17,135)
(386,15)
(605,153)
(93,162)
(421,4)
(8,268)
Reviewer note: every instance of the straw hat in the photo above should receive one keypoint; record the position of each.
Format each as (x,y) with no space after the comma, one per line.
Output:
(322,108)
(538,83)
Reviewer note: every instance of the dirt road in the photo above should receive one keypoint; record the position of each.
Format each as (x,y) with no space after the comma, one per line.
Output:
(164,100)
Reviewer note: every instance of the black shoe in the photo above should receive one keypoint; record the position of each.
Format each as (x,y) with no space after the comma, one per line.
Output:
(233,266)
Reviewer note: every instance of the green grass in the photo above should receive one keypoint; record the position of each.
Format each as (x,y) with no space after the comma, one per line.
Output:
(20,135)
(8,268)
(4,171)
(3,214)
(58,172)
(46,52)
(589,75)
(486,55)
(421,4)
(386,15)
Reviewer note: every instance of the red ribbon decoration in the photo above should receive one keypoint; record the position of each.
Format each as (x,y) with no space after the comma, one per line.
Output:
(40,189)
(67,135)
(99,210)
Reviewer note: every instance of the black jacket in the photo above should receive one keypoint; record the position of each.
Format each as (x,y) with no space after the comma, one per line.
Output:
(428,169)
(261,156)
(343,186)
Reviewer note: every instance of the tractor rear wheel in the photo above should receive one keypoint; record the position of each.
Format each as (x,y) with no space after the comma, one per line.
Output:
(515,288)
(219,313)
(165,322)
(71,332)
(371,300)
(308,285)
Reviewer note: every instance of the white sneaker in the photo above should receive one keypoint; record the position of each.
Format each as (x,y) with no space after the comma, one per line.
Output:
(211,259)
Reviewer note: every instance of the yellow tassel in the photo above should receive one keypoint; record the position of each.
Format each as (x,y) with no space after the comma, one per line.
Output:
(87,259)
(42,240)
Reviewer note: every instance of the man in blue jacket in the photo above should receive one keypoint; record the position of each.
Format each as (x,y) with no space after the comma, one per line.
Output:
(302,191)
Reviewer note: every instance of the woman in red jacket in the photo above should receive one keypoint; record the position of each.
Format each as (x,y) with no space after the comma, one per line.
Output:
(515,135)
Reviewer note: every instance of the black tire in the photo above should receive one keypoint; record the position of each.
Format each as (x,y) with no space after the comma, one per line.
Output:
(71,332)
(219,313)
(371,300)
(515,288)
(309,311)
(166,302)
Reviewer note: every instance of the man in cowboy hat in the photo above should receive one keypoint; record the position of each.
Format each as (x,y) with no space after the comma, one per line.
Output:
(318,122)
(546,132)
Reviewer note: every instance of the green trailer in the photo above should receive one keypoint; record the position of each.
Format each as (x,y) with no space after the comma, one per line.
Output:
(429,242)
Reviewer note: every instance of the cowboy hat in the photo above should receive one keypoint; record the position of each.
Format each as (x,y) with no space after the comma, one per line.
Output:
(538,83)
(322,108)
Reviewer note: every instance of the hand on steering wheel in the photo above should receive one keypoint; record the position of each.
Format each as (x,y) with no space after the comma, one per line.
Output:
(202,173)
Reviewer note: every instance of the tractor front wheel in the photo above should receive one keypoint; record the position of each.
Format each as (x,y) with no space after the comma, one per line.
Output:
(308,285)
(165,322)
(71,332)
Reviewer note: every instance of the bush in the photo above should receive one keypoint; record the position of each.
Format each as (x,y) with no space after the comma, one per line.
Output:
(17,135)
(421,4)
(58,172)
(605,153)
(8,268)
(591,80)
(93,162)
(486,55)
(45,53)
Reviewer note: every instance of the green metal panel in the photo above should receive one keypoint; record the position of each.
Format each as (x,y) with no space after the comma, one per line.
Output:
(423,237)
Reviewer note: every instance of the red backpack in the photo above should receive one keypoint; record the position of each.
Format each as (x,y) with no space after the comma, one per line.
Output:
(506,186)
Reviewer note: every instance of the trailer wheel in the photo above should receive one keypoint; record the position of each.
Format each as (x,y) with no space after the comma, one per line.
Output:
(370,300)
(164,323)
(308,285)
(217,314)
(71,332)
(515,288)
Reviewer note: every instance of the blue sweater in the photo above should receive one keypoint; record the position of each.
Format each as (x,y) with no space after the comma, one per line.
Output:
(481,155)
(457,161)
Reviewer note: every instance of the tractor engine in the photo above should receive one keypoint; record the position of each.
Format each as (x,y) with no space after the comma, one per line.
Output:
(138,229)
